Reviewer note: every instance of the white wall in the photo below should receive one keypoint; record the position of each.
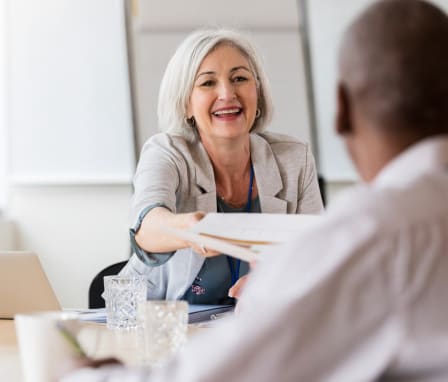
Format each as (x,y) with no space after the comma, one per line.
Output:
(75,230)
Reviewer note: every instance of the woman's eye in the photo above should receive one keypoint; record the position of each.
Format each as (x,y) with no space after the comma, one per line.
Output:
(239,79)
(207,83)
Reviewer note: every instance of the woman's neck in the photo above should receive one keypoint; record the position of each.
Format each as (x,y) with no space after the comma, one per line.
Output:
(230,157)
(231,164)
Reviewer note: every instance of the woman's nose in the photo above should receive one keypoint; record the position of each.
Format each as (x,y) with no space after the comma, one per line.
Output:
(226,91)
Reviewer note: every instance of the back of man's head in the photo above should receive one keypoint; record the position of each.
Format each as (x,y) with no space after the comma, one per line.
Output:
(394,62)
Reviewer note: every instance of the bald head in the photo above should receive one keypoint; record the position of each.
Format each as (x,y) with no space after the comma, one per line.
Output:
(394,63)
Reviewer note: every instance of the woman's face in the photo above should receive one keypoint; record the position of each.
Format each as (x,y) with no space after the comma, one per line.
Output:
(224,97)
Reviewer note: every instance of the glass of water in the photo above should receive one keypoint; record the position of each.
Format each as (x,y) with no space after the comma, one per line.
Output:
(165,328)
(123,295)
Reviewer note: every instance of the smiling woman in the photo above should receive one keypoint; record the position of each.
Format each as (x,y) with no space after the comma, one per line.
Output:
(214,104)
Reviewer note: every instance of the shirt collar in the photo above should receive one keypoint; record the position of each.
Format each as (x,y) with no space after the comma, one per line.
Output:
(430,154)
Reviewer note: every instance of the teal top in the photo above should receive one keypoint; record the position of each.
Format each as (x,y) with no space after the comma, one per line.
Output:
(214,280)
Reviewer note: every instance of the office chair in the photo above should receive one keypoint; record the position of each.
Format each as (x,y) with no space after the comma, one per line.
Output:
(96,288)
(323,189)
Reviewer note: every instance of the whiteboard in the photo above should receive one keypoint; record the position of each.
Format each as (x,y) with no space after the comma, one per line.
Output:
(69,99)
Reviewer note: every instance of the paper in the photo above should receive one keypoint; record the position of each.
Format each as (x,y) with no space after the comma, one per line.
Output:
(222,246)
(253,229)
(243,235)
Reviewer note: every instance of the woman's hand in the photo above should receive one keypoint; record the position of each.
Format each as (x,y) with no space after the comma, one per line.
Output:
(152,237)
(237,288)
(191,219)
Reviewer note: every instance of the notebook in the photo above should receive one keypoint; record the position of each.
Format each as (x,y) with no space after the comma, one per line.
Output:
(24,287)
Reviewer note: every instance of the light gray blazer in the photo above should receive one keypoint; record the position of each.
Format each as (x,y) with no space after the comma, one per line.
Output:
(179,175)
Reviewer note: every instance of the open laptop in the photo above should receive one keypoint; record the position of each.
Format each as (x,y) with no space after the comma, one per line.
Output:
(24,287)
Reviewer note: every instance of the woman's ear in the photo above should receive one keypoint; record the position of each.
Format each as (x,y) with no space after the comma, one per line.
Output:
(343,123)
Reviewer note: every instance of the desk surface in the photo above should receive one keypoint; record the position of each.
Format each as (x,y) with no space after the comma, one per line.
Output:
(9,352)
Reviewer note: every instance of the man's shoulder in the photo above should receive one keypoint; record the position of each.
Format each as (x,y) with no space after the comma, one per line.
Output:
(392,208)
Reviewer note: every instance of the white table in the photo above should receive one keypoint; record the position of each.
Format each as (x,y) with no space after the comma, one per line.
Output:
(123,345)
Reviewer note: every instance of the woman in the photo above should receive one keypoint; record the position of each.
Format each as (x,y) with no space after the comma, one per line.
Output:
(214,103)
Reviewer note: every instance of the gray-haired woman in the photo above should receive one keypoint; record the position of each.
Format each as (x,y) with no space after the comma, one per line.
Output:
(214,104)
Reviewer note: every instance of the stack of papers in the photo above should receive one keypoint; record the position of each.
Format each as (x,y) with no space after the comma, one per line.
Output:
(243,235)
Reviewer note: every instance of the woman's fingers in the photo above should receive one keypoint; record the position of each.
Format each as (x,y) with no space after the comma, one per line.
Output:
(238,287)
(203,250)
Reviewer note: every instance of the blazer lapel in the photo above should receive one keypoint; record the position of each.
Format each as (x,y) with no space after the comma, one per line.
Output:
(267,175)
(205,181)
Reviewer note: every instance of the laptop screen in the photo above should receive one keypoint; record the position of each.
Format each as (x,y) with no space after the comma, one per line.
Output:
(24,287)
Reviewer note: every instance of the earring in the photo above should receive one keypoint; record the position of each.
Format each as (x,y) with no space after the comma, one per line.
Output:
(190,121)
(258,113)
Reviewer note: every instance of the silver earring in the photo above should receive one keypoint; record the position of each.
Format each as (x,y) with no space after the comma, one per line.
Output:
(258,113)
(190,121)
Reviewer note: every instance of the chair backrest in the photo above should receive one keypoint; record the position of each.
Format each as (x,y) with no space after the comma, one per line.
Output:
(96,288)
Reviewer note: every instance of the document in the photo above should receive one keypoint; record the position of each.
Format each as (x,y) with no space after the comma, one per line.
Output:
(243,235)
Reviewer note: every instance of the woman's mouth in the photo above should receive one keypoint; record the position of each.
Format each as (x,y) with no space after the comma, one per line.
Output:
(234,111)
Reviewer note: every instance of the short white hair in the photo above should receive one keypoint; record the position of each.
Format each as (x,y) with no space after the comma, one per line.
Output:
(178,79)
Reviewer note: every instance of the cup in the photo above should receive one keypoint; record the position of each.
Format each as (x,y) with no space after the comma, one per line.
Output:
(165,329)
(46,340)
(123,294)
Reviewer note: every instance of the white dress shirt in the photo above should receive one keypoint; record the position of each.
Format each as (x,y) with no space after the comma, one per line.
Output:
(359,297)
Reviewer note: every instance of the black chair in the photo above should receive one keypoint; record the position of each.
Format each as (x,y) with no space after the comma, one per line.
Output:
(96,288)
(323,189)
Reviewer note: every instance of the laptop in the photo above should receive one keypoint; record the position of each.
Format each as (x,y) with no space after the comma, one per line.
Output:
(24,287)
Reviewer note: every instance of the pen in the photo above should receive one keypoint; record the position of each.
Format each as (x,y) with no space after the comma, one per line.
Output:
(71,339)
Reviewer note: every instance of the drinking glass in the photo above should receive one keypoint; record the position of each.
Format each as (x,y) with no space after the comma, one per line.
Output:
(123,294)
(165,329)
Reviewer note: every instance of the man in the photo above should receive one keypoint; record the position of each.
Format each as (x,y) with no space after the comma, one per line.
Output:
(363,295)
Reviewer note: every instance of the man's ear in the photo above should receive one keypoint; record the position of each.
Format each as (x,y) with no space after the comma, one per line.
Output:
(343,116)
